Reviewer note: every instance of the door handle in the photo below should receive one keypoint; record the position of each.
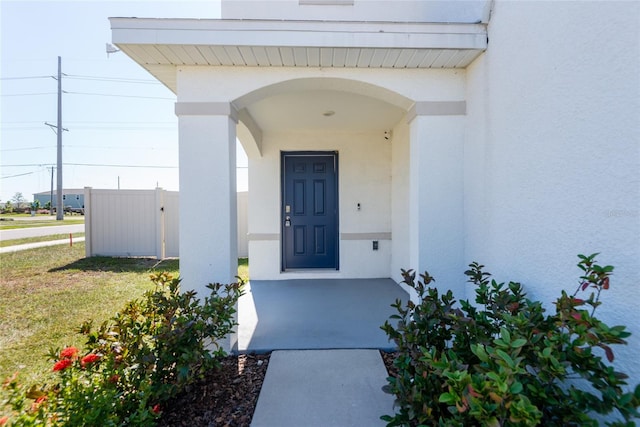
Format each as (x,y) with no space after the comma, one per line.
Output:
(287,221)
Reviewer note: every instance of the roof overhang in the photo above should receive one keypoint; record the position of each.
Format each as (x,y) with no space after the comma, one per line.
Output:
(160,45)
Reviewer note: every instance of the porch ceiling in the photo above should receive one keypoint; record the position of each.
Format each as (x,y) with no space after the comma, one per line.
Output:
(160,45)
(326,110)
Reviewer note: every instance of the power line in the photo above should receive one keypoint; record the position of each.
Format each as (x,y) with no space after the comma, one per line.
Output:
(82,77)
(24,148)
(122,166)
(28,94)
(29,165)
(108,147)
(104,165)
(88,93)
(123,128)
(14,176)
(115,147)
(111,79)
(117,96)
(88,121)
(23,128)
(93,165)
(97,128)
(26,77)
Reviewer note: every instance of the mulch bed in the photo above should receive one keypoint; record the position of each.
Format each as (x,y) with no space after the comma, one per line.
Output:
(388,359)
(226,397)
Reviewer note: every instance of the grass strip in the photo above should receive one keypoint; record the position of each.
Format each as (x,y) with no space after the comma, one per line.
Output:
(14,242)
(24,223)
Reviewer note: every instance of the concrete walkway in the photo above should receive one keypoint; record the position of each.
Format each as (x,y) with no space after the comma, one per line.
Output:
(25,246)
(323,388)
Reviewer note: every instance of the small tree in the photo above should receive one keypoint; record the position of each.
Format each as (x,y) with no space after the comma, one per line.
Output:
(18,199)
(8,206)
(35,205)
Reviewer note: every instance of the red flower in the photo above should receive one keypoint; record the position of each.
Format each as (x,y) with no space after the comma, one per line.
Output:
(114,378)
(69,353)
(62,364)
(156,408)
(4,420)
(35,405)
(89,358)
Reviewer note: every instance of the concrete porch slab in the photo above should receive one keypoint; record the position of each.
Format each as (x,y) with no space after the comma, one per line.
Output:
(323,388)
(316,314)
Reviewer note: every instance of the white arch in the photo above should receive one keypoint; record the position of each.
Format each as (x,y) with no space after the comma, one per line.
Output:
(324,83)
(250,133)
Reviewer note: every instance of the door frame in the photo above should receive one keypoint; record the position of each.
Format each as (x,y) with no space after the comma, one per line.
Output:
(329,153)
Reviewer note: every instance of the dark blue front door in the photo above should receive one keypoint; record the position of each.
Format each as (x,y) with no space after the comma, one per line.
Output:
(309,210)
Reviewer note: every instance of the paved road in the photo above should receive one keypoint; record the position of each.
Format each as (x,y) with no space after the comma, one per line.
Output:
(21,233)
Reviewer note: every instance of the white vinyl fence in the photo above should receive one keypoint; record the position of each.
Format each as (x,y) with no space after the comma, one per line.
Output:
(141,223)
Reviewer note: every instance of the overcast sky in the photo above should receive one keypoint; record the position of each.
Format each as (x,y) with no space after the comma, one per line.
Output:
(121,122)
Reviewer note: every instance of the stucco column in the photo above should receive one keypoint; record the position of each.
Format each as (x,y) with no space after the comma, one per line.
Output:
(436,203)
(208,218)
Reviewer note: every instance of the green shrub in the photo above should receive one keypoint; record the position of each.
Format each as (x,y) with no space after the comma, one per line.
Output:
(147,353)
(504,361)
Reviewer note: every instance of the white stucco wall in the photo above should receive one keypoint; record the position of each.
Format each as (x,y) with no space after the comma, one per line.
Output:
(364,176)
(358,10)
(400,201)
(208,242)
(436,207)
(203,84)
(552,152)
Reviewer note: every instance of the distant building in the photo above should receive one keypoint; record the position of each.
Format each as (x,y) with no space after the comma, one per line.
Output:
(71,198)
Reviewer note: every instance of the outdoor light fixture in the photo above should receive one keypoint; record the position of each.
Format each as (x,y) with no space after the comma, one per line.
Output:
(111,49)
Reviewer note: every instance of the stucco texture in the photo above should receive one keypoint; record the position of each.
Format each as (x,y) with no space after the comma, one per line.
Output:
(552,152)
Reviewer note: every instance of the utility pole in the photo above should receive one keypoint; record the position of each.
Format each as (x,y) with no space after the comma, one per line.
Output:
(59,207)
(51,194)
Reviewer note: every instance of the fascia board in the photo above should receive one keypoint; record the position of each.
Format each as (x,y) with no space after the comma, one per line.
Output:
(298,34)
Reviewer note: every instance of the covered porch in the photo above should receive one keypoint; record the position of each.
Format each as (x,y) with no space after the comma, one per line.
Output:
(387,102)
(309,314)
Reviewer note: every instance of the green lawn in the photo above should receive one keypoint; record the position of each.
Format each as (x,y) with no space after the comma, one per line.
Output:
(10,222)
(46,294)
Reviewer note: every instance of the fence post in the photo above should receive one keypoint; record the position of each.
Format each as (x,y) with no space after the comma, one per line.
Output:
(159,219)
(88,252)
